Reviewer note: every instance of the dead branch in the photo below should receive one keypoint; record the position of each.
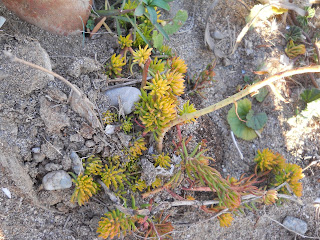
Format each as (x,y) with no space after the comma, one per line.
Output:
(77,99)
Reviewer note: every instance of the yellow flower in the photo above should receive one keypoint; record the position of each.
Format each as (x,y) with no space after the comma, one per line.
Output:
(225,219)
(158,86)
(117,62)
(176,82)
(125,41)
(162,161)
(157,65)
(142,55)
(85,188)
(179,65)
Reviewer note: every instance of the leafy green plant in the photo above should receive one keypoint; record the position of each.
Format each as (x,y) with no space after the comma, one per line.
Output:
(112,175)
(126,125)
(114,68)
(244,122)
(303,20)
(93,166)
(282,172)
(294,34)
(310,95)
(109,117)
(85,188)
(293,50)
(162,160)
(115,223)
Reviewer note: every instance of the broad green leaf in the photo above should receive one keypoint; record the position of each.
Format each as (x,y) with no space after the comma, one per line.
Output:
(310,95)
(240,128)
(176,23)
(157,39)
(161,4)
(263,92)
(161,30)
(139,10)
(152,15)
(256,121)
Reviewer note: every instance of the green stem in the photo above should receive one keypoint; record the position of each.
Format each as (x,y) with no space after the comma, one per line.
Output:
(114,12)
(234,98)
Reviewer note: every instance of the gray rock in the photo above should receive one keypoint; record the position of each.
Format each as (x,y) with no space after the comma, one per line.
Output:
(76,162)
(56,180)
(50,151)
(148,171)
(35,150)
(76,138)
(38,157)
(52,167)
(128,96)
(218,35)
(83,66)
(295,224)
(124,138)
(86,131)
(53,118)
(56,94)
(90,143)
(110,129)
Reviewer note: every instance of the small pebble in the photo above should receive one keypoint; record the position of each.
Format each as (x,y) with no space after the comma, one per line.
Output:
(128,96)
(109,129)
(38,157)
(35,150)
(76,162)
(218,35)
(90,144)
(6,192)
(52,167)
(56,180)
(295,224)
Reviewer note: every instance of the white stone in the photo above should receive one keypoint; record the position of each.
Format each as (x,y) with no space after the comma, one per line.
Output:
(109,129)
(57,180)
(128,97)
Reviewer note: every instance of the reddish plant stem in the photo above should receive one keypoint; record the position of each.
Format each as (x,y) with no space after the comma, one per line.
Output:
(145,73)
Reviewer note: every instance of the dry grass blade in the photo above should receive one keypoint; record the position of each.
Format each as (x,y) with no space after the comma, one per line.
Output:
(77,99)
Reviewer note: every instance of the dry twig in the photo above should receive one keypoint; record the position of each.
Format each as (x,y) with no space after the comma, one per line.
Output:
(77,99)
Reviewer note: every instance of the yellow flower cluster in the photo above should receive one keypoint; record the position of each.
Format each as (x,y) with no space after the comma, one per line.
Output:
(141,56)
(179,65)
(267,160)
(85,188)
(158,86)
(117,62)
(162,160)
(125,41)
(291,174)
(156,113)
(114,176)
(109,117)
(138,146)
(225,219)
(115,224)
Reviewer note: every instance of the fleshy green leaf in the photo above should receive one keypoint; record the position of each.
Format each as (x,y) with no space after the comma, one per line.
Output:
(161,30)
(240,128)
(177,22)
(310,95)
(263,92)
(161,4)
(139,10)
(157,39)
(256,121)
(152,14)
